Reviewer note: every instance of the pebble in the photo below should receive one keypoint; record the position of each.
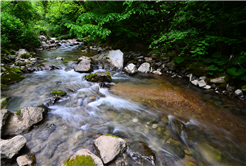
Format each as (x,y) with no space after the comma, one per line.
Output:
(135,120)
(154,126)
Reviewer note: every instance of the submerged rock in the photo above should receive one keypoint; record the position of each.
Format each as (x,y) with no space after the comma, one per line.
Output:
(21,123)
(109,147)
(139,152)
(211,154)
(144,68)
(131,69)
(84,152)
(84,65)
(11,147)
(28,159)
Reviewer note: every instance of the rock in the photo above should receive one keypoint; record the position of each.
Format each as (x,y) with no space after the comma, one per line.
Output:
(202,78)
(154,126)
(131,69)
(4,116)
(99,77)
(201,83)
(59,58)
(157,73)
(86,152)
(11,147)
(219,80)
(190,77)
(42,38)
(46,66)
(175,149)
(135,120)
(209,153)
(238,92)
(21,52)
(243,88)
(109,147)
(114,57)
(207,87)
(144,68)
(139,152)
(171,66)
(18,124)
(148,59)
(84,65)
(26,160)
(194,82)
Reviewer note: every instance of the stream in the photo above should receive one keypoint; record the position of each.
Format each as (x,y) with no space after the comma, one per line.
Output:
(164,121)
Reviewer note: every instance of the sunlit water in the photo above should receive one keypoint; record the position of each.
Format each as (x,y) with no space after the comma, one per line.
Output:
(174,119)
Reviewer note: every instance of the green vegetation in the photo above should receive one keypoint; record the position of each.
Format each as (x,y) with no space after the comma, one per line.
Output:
(11,75)
(80,161)
(59,93)
(16,69)
(21,64)
(89,76)
(112,135)
(18,112)
(3,104)
(25,56)
(109,76)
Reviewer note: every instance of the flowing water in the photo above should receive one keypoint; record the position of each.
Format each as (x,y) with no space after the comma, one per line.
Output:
(164,121)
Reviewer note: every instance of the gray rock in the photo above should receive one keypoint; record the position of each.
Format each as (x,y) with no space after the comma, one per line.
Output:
(207,87)
(189,76)
(157,73)
(114,57)
(194,82)
(202,78)
(18,124)
(86,152)
(99,77)
(109,147)
(59,58)
(148,59)
(28,159)
(42,38)
(171,66)
(4,115)
(144,68)
(219,80)
(10,147)
(84,65)
(21,52)
(201,83)
(238,92)
(131,69)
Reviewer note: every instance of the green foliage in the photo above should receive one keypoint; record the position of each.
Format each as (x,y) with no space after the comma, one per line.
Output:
(18,112)
(3,104)
(234,72)
(25,56)
(80,161)
(16,69)
(59,92)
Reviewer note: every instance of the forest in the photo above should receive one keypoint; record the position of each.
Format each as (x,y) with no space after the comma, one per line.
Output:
(212,33)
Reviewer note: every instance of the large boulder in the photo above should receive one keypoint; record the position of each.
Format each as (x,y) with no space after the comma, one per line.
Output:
(144,67)
(10,147)
(21,123)
(21,52)
(84,65)
(131,69)
(114,57)
(109,147)
(85,152)
(4,115)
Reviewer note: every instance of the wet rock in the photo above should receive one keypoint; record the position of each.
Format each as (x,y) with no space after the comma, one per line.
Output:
(144,68)
(157,73)
(21,123)
(51,101)
(42,38)
(139,152)
(176,127)
(114,57)
(131,69)
(109,147)
(4,115)
(26,160)
(99,77)
(86,152)
(194,82)
(209,153)
(46,66)
(175,149)
(201,83)
(84,65)
(10,147)
(207,87)
(239,93)
(59,58)
(219,80)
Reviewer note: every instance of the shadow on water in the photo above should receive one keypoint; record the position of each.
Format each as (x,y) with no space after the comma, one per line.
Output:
(164,121)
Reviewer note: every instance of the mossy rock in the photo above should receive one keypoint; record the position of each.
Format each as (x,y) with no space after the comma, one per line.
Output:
(32,53)
(16,69)
(80,161)
(59,93)
(25,56)
(21,64)
(243,87)
(99,77)
(3,104)
(10,76)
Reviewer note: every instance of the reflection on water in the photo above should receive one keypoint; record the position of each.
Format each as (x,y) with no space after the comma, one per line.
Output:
(164,121)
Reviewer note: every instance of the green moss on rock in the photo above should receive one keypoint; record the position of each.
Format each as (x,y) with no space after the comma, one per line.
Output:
(112,135)
(25,56)
(243,87)
(10,75)
(16,69)
(3,104)
(59,93)
(21,64)
(80,161)
(89,76)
